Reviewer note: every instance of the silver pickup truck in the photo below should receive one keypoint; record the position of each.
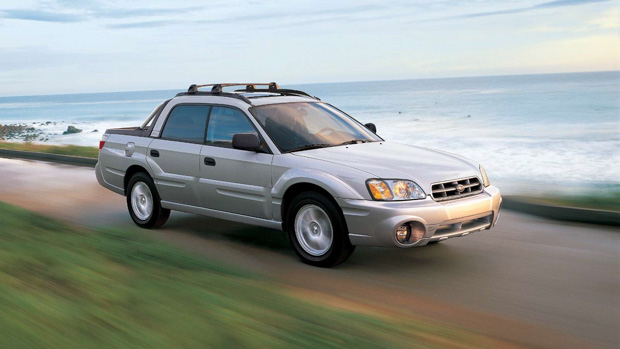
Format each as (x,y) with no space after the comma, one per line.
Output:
(282,159)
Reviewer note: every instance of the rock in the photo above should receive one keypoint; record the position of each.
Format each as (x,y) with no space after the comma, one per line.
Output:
(11,131)
(72,129)
(95,130)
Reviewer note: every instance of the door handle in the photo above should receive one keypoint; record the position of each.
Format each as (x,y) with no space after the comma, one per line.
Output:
(209,161)
(154,153)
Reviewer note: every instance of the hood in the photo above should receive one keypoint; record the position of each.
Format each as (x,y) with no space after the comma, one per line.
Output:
(389,160)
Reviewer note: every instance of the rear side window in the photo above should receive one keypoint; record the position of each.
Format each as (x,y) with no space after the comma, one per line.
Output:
(186,123)
(224,123)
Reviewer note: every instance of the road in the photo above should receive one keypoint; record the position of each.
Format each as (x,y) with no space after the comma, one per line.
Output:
(530,281)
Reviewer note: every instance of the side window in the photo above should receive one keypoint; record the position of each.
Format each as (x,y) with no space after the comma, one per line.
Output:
(224,123)
(186,123)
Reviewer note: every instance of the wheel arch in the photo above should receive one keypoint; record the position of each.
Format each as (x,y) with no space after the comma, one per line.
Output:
(295,181)
(131,171)
(301,187)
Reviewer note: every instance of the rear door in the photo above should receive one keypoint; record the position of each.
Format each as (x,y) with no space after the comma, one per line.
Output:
(233,180)
(175,156)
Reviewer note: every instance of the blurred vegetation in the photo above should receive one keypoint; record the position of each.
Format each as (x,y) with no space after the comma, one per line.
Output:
(610,201)
(75,150)
(63,286)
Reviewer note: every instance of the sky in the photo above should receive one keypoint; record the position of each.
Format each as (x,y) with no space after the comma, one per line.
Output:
(72,46)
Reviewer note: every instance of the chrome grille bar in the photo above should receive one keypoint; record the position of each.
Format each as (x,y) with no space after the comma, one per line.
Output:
(456,189)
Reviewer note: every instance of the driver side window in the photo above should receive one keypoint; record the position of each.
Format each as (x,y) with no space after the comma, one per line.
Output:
(224,123)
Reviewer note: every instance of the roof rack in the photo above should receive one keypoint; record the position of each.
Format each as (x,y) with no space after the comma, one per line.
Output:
(217,88)
(272,87)
(219,94)
(281,91)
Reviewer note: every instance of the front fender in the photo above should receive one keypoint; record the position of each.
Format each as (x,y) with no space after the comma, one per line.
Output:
(335,186)
(330,183)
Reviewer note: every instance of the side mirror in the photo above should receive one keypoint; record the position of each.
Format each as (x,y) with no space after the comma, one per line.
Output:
(371,127)
(246,141)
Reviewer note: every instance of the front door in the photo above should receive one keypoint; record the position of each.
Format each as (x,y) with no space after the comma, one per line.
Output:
(175,156)
(233,180)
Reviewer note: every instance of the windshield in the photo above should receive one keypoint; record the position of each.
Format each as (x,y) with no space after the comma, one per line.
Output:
(301,126)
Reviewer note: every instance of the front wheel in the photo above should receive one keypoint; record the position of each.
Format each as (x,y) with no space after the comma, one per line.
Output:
(143,202)
(317,231)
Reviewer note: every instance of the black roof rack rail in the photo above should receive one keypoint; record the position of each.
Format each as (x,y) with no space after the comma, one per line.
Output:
(219,94)
(281,91)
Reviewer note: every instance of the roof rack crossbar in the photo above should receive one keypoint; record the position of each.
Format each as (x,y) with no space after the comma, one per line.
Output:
(217,88)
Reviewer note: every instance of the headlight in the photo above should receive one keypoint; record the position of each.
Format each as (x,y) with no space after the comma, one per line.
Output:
(485,178)
(394,189)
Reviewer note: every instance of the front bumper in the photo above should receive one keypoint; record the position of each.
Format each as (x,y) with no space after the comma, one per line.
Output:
(373,223)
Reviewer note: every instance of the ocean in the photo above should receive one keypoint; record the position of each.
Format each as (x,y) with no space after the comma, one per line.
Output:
(546,133)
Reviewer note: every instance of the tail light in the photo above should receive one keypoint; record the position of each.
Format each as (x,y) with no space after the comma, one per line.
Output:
(103,139)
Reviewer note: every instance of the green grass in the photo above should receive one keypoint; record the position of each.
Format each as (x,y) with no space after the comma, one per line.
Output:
(66,287)
(75,150)
(609,202)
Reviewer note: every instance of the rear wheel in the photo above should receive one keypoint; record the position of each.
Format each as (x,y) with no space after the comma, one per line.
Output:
(317,231)
(144,203)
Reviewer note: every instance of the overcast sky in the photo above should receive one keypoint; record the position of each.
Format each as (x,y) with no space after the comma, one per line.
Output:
(68,46)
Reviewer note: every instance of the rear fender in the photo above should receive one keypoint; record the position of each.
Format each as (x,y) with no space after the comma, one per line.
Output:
(119,154)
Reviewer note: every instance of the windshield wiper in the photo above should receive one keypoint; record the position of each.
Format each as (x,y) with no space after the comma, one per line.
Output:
(325,145)
(355,141)
(311,146)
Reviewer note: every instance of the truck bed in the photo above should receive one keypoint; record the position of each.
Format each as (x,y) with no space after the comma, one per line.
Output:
(129,131)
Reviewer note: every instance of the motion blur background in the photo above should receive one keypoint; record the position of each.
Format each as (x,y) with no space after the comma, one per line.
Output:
(530,89)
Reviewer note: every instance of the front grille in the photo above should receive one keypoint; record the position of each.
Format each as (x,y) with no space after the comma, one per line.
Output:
(449,190)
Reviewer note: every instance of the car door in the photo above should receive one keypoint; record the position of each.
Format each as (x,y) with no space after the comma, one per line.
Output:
(233,180)
(174,157)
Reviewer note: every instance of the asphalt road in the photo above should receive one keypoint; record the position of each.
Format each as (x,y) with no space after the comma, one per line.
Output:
(530,281)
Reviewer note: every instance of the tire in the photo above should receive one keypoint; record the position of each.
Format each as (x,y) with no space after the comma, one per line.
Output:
(144,203)
(310,219)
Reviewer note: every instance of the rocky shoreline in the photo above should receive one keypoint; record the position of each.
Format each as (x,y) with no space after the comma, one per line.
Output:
(32,133)
(21,132)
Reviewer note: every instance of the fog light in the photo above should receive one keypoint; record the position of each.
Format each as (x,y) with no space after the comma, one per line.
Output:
(403,233)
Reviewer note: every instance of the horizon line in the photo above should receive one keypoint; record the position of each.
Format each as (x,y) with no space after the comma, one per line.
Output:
(334,82)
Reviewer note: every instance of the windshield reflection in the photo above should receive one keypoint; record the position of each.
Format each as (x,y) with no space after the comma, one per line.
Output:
(304,126)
